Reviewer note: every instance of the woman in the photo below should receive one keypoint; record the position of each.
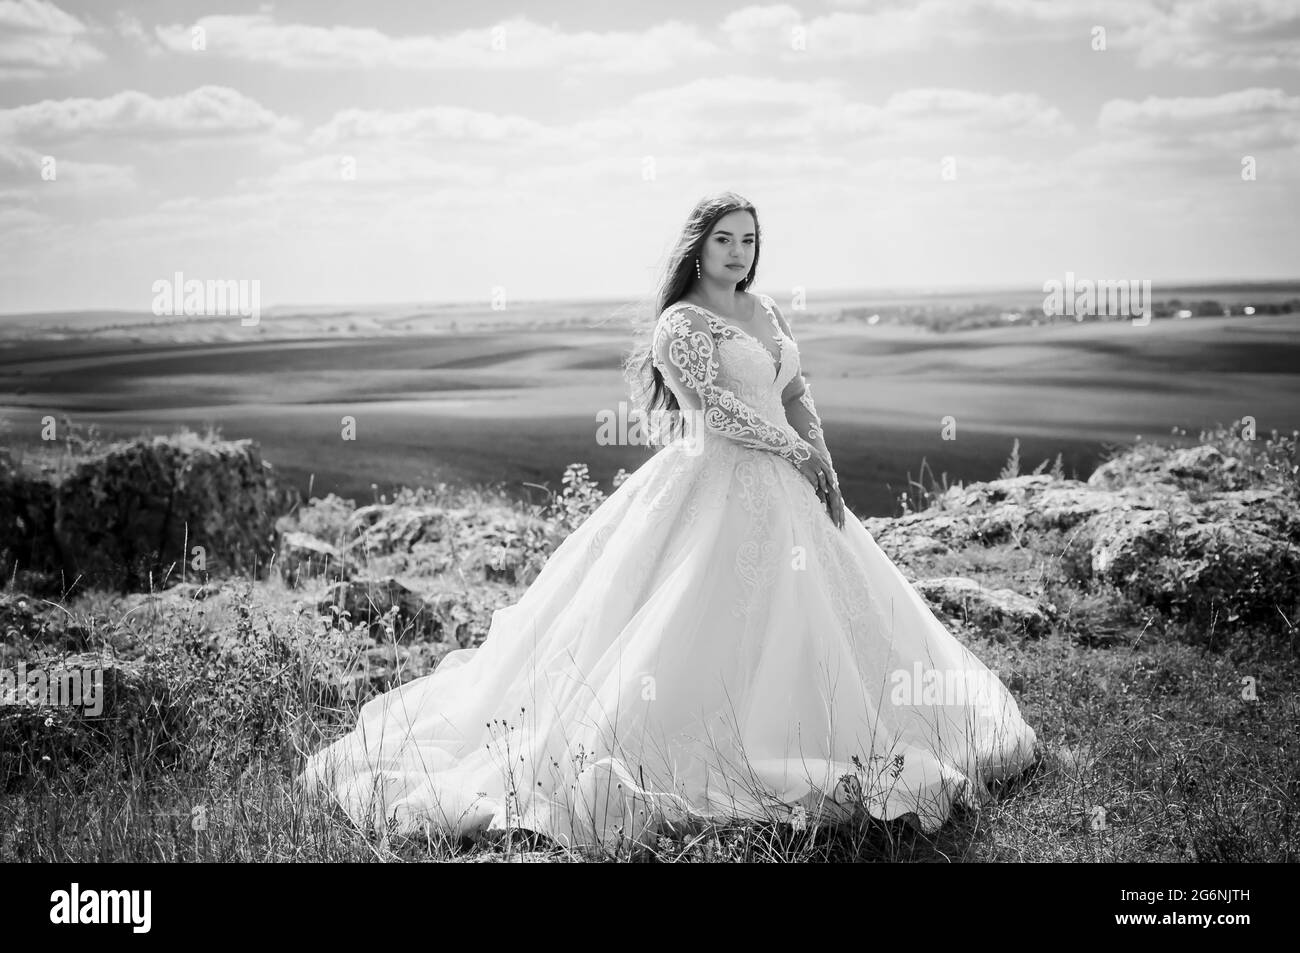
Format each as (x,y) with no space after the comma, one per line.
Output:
(717,640)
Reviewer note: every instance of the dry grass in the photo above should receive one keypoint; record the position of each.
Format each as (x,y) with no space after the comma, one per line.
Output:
(1151,746)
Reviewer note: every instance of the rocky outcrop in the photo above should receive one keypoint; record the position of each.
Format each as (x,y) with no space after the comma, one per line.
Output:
(966,600)
(381,528)
(1125,544)
(1181,469)
(386,606)
(303,558)
(1159,525)
(127,518)
(394,612)
(27,543)
(993,512)
(492,543)
(1188,559)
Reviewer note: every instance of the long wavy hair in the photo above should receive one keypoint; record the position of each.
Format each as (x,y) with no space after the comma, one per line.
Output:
(651,396)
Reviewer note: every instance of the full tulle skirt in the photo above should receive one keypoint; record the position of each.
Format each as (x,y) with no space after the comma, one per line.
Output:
(706,646)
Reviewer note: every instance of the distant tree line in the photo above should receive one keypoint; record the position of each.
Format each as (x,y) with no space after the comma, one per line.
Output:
(942,317)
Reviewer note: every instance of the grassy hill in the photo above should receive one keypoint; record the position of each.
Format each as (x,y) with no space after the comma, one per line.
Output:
(1145,620)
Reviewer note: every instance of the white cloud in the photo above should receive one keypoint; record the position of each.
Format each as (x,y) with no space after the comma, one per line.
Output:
(130,28)
(22,167)
(1182,110)
(790,129)
(1201,34)
(434,124)
(1004,113)
(793,113)
(510,45)
(37,38)
(895,26)
(839,145)
(1236,34)
(373,168)
(206,111)
(15,222)
(1247,118)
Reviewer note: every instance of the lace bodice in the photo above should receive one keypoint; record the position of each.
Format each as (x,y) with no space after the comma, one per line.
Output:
(734,380)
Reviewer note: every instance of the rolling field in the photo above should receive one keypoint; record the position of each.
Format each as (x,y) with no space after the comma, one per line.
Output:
(515,405)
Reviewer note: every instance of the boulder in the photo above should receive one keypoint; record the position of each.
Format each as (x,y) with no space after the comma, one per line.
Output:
(1222,555)
(495,543)
(1272,512)
(27,542)
(394,612)
(994,512)
(1173,528)
(1004,509)
(1235,571)
(966,599)
(1196,465)
(126,517)
(924,533)
(1163,469)
(303,558)
(1125,543)
(384,528)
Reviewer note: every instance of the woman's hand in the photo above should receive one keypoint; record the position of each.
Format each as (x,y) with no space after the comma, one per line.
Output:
(818,471)
(834,501)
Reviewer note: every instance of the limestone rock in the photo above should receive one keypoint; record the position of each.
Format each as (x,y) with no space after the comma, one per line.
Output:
(1178,469)
(1208,553)
(966,599)
(380,528)
(391,610)
(125,518)
(303,558)
(27,544)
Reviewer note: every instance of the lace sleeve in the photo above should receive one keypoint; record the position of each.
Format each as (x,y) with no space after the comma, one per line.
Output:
(797,398)
(684,348)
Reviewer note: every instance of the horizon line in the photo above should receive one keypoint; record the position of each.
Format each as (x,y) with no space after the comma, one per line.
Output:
(921,290)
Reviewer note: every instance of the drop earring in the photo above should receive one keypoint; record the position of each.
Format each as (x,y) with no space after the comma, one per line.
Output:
(697,268)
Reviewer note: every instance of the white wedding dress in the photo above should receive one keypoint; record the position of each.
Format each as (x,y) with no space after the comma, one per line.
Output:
(707,645)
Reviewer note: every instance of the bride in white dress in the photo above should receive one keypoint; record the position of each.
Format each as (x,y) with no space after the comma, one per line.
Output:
(716,641)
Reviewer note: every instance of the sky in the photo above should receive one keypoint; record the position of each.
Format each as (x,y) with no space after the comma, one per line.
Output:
(382,152)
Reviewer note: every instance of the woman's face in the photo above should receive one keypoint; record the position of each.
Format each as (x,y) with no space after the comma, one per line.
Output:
(728,252)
